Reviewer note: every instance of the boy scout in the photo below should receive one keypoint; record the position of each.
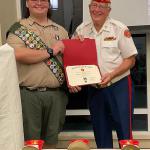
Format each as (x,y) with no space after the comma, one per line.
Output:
(40,73)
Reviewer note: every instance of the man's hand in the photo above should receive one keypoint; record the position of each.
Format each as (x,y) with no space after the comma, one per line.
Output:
(80,37)
(58,47)
(106,79)
(74,89)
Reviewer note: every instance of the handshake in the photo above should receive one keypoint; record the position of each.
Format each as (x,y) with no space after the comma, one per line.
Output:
(59,46)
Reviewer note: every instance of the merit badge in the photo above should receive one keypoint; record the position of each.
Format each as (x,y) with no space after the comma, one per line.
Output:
(31,45)
(24,38)
(127,33)
(55,70)
(57,74)
(37,39)
(17,32)
(48,62)
(27,35)
(55,28)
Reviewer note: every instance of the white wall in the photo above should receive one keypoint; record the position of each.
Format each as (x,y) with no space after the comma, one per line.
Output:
(130,12)
(9,13)
(86,14)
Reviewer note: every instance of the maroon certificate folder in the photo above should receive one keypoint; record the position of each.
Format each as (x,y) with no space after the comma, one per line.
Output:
(80,62)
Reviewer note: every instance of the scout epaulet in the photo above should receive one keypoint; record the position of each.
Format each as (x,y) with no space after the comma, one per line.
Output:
(33,41)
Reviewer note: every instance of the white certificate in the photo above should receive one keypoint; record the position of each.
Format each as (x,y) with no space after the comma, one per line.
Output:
(83,75)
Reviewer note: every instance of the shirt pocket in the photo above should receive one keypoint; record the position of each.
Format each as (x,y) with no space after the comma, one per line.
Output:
(110,44)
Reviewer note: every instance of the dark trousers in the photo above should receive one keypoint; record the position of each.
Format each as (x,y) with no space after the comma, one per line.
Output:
(112,107)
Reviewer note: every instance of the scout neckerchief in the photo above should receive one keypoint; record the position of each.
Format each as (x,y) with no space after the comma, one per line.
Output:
(33,41)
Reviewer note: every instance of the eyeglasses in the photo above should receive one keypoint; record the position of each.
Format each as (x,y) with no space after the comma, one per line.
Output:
(39,1)
(94,6)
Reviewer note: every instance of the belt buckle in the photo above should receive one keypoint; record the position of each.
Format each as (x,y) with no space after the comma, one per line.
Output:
(41,89)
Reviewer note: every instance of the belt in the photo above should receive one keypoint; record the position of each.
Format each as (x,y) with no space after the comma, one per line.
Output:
(40,89)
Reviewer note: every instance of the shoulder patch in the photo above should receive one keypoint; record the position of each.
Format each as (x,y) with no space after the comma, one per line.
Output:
(127,33)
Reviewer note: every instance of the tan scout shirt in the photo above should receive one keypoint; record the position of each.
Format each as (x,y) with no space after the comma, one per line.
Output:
(38,75)
(111,43)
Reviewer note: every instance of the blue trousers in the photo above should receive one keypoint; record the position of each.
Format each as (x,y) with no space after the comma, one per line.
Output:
(112,107)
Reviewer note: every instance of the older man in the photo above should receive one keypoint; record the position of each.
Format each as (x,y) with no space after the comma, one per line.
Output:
(110,102)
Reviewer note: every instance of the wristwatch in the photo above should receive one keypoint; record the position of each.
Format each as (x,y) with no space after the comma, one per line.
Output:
(50,52)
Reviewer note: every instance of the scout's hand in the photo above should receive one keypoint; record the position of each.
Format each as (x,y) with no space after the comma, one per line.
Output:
(58,47)
(74,89)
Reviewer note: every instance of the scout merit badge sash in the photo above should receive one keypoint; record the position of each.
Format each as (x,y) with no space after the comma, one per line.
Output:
(33,41)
